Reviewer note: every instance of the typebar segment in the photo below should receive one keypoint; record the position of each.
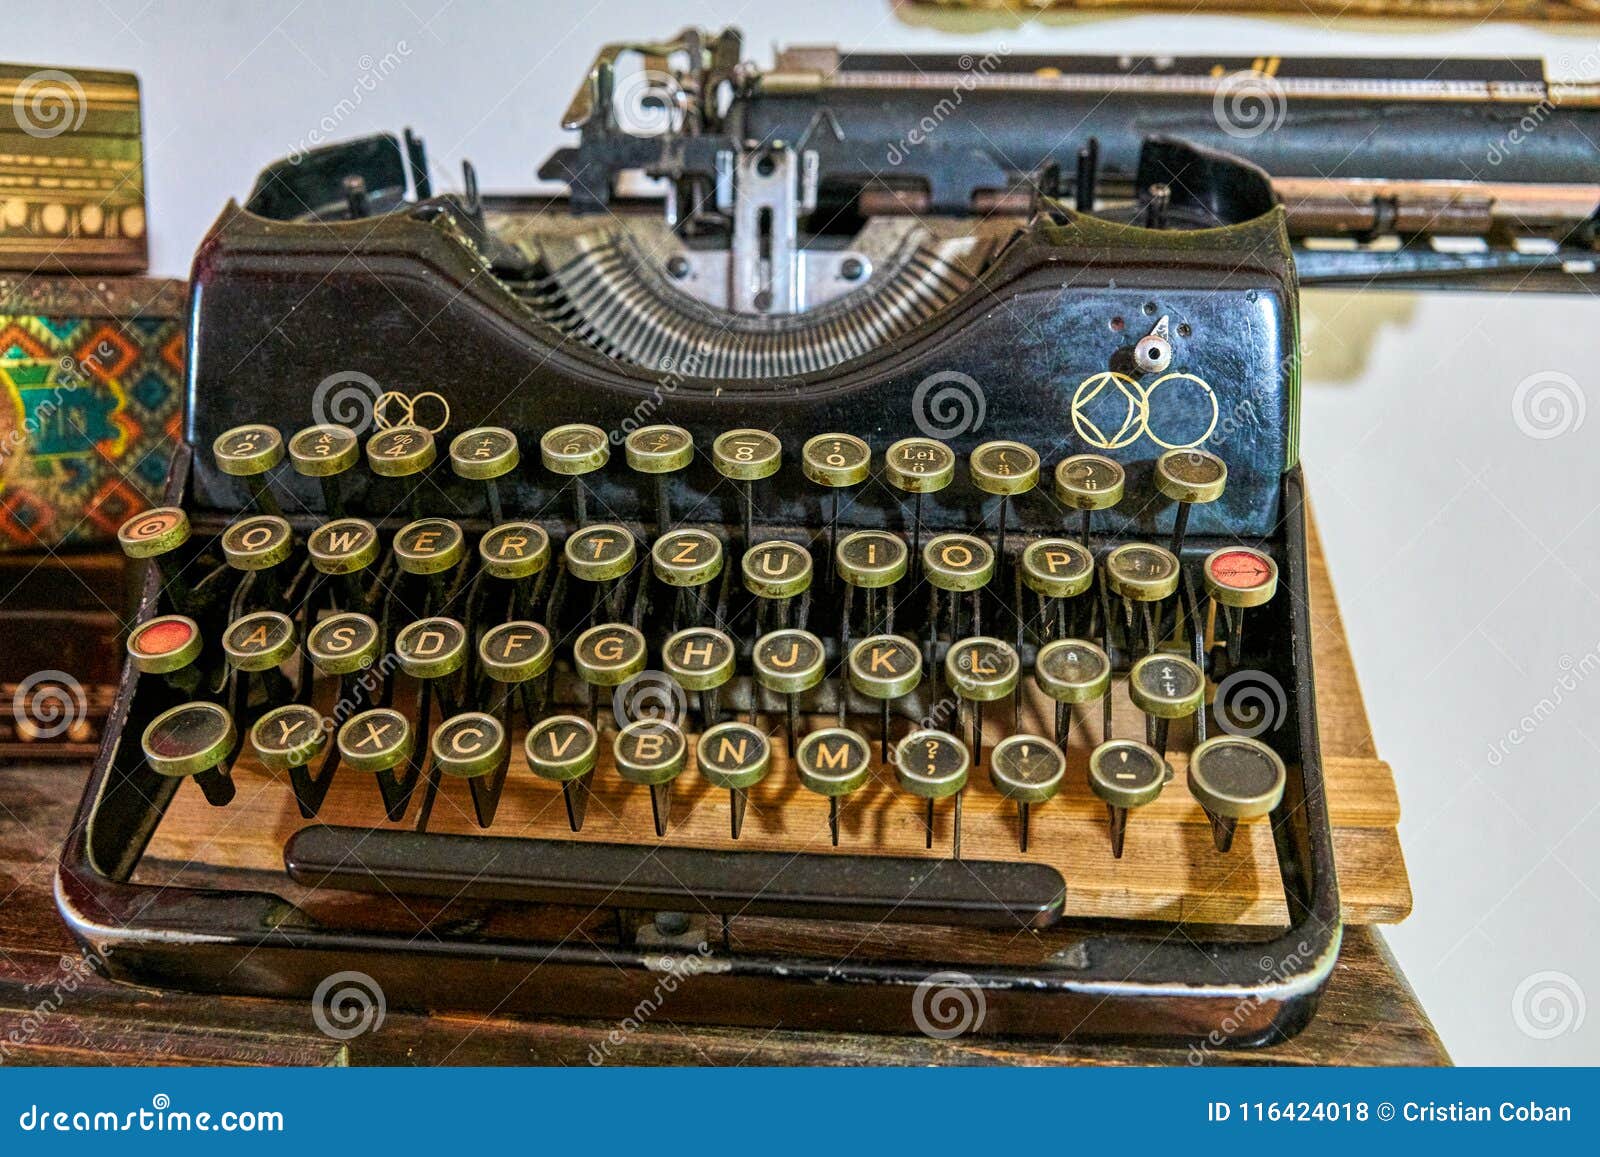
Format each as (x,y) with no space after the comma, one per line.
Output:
(893,889)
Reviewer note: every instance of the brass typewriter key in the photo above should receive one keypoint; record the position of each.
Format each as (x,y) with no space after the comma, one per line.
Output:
(919,466)
(344,644)
(563,748)
(325,452)
(167,645)
(1028,770)
(1144,574)
(259,643)
(660,451)
(1165,687)
(957,563)
(873,560)
(687,560)
(194,739)
(431,548)
(652,752)
(430,651)
(883,667)
(344,548)
(701,659)
(404,452)
(833,762)
(981,670)
(1125,774)
(608,656)
(472,746)
(256,544)
(575,451)
(379,740)
(789,663)
(837,461)
(775,572)
(736,756)
(746,457)
(286,739)
(515,654)
(1235,778)
(1237,578)
(1188,477)
(513,552)
(602,554)
(250,452)
(486,454)
(1007,469)
(1089,482)
(156,534)
(1071,671)
(1057,569)
(934,765)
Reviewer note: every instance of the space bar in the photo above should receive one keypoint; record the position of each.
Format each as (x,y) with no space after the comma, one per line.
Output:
(894,889)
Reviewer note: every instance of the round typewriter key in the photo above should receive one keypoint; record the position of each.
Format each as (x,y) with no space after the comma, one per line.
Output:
(258,542)
(600,553)
(836,461)
(958,562)
(933,765)
(652,752)
(1089,482)
(788,662)
(563,748)
(189,739)
(153,532)
(164,644)
(981,670)
(429,546)
(1006,469)
(1187,477)
(1125,774)
(1240,576)
(885,667)
(686,558)
(375,740)
(431,648)
(514,550)
(485,454)
(1071,671)
(259,641)
(1165,687)
(343,644)
(1029,770)
(288,737)
(1235,778)
(246,451)
(324,451)
(343,546)
(573,451)
(747,456)
(776,569)
(400,451)
(1142,572)
(515,652)
(1057,568)
(608,656)
(660,451)
(833,762)
(735,756)
(874,560)
(700,659)
(919,466)
(468,745)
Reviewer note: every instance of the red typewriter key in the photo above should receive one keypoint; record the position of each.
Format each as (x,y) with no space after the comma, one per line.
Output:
(164,645)
(1237,578)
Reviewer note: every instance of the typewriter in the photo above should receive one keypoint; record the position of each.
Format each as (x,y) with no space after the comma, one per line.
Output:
(810,549)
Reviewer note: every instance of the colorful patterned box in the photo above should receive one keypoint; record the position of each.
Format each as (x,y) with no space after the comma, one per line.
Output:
(91,403)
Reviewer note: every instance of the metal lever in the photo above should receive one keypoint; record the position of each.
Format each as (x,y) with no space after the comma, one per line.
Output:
(894,889)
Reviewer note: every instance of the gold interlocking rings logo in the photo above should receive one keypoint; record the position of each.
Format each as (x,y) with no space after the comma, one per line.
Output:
(1136,417)
(394,408)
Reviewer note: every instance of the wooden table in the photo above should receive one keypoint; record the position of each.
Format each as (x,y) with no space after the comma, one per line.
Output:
(52,1013)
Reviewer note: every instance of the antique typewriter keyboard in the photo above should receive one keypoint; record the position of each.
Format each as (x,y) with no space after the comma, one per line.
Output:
(444,657)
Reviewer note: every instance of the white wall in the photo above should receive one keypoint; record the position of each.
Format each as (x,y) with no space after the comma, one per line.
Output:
(1464,550)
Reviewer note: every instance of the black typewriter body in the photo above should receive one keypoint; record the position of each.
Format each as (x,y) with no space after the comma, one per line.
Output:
(1164,325)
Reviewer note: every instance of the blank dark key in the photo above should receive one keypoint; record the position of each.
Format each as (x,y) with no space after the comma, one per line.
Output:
(1235,778)
(1187,477)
